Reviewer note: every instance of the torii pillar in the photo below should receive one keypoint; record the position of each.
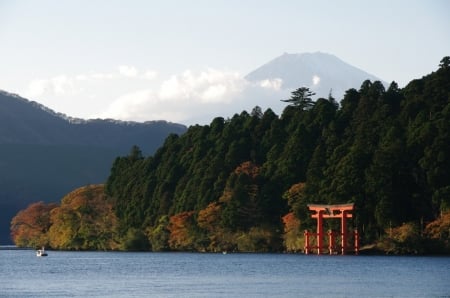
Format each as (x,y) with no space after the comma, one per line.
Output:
(331,211)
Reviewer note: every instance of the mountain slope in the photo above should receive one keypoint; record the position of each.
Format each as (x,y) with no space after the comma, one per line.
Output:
(318,71)
(45,155)
(25,122)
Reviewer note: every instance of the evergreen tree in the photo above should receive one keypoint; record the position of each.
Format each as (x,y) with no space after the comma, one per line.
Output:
(301,98)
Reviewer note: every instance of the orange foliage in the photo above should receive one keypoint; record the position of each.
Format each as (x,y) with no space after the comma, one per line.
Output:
(248,168)
(226,196)
(29,226)
(251,170)
(180,226)
(404,232)
(291,223)
(440,229)
(208,218)
(295,195)
(297,188)
(404,239)
(293,239)
(85,220)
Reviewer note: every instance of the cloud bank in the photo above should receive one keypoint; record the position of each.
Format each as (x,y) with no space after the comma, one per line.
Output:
(131,94)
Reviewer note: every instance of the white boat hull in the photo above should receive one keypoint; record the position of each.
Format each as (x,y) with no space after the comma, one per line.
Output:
(41,253)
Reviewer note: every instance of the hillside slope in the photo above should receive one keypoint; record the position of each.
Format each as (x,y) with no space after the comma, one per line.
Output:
(44,155)
(237,184)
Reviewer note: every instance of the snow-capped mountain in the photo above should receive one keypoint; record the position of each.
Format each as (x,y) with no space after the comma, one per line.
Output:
(322,73)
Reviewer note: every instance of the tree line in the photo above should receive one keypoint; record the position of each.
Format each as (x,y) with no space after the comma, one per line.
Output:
(243,183)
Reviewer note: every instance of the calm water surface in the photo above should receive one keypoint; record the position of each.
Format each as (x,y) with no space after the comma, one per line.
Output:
(114,274)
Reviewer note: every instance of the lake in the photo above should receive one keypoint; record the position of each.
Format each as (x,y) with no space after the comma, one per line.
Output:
(123,274)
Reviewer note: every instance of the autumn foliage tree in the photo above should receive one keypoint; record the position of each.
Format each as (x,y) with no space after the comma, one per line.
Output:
(181,227)
(293,238)
(30,226)
(296,200)
(239,220)
(209,219)
(438,233)
(85,220)
(240,198)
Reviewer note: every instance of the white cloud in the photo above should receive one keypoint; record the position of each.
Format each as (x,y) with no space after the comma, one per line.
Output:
(171,88)
(128,105)
(274,84)
(150,75)
(210,86)
(65,84)
(214,93)
(129,94)
(128,71)
(144,105)
(59,85)
(101,76)
(315,80)
(179,97)
(36,88)
(62,84)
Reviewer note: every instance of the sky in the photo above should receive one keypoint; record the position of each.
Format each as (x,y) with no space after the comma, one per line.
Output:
(185,61)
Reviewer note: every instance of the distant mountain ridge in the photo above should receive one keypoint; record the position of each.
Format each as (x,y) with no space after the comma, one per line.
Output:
(76,120)
(44,154)
(28,122)
(323,73)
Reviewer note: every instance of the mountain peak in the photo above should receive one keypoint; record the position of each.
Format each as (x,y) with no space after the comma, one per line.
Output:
(321,72)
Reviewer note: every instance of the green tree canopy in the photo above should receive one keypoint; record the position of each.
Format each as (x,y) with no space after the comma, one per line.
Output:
(301,98)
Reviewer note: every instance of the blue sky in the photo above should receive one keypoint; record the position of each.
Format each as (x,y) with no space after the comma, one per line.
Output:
(184,61)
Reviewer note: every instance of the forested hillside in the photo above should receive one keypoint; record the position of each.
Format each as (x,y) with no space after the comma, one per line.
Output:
(231,182)
(44,154)
(242,184)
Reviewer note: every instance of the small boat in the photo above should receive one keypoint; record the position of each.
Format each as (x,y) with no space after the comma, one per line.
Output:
(41,252)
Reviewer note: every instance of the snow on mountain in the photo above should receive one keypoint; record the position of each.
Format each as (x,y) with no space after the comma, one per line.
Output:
(322,73)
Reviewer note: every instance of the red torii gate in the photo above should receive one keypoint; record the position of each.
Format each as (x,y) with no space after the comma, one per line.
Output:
(330,211)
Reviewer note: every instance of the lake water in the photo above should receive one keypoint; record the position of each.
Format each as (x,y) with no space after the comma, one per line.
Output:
(120,274)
